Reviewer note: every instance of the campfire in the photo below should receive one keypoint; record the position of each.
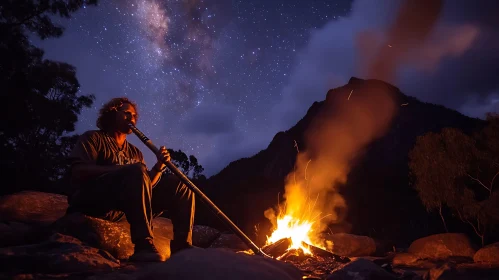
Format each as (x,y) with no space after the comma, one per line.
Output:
(297,239)
(291,234)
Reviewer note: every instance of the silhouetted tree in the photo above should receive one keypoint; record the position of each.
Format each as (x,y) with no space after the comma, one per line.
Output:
(42,96)
(188,165)
(437,161)
(459,171)
(483,177)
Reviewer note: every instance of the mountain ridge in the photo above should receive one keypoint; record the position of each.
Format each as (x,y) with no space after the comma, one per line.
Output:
(245,188)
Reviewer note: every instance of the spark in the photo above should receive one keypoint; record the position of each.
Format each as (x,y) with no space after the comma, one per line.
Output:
(350,94)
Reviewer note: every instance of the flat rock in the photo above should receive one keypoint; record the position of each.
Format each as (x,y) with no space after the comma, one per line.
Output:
(31,207)
(361,269)
(229,241)
(203,236)
(443,246)
(488,254)
(405,259)
(15,233)
(350,245)
(449,271)
(114,237)
(58,254)
(211,264)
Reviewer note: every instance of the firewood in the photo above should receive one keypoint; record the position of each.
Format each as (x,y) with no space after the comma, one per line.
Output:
(294,255)
(325,254)
(277,248)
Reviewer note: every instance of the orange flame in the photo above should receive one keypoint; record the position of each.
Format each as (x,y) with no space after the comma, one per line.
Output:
(298,231)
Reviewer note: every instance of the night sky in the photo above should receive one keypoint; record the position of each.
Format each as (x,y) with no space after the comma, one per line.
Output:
(219,78)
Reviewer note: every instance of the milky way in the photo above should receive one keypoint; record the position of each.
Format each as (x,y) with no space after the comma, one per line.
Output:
(204,73)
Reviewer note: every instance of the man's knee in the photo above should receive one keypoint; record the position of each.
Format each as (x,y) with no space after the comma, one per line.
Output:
(180,187)
(137,171)
(186,191)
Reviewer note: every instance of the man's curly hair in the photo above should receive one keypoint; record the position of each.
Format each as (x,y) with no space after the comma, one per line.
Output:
(107,112)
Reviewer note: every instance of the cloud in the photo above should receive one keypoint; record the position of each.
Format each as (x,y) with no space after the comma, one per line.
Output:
(230,147)
(215,126)
(443,54)
(210,120)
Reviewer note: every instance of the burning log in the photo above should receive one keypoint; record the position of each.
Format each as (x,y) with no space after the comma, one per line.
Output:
(280,250)
(294,255)
(325,254)
(277,248)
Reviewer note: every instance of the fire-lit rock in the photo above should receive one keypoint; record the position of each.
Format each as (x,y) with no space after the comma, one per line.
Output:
(350,245)
(488,254)
(451,271)
(361,269)
(31,207)
(203,236)
(229,241)
(405,259)
(15,233)
(58,254)
(443,246)
(214,264)
(113,237)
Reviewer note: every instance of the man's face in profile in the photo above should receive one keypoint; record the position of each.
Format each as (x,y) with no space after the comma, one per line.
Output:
(125,114)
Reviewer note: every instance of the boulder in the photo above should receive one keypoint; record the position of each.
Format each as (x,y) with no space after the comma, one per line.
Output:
(488,254)
(203,236)
(214,264)
(229,241)
(443,246)
(58,254)
(31,207)
(450,271)
(15,233)
(405,259)
(350,245)
(113,237)
(361,269)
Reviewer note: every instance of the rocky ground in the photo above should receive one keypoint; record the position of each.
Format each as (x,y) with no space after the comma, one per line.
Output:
(38,241)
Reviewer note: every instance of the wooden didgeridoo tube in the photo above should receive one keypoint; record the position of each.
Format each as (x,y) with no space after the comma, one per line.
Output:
(199,193)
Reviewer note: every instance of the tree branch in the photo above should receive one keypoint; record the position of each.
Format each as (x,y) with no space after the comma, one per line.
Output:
(489,189)
(492,183)
(36,13)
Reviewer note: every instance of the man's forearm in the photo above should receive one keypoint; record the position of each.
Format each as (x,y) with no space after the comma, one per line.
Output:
(86,171)
(154,175)
(82,172)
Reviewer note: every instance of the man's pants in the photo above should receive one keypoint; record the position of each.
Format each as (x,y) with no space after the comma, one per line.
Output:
(129,191)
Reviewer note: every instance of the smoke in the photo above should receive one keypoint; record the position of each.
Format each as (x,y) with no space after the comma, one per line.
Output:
(353,116)
(409,31)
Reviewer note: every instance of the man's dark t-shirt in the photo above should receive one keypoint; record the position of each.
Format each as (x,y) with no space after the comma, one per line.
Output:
(97,147)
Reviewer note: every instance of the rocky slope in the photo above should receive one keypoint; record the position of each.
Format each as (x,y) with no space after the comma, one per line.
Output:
(40,242)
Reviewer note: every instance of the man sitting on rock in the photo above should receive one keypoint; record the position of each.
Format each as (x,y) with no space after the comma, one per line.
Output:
(110,180)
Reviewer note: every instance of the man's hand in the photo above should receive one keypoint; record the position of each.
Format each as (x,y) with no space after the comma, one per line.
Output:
(162,156)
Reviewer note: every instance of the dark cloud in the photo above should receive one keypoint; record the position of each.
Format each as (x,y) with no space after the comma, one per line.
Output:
(210,121)
(232,146)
